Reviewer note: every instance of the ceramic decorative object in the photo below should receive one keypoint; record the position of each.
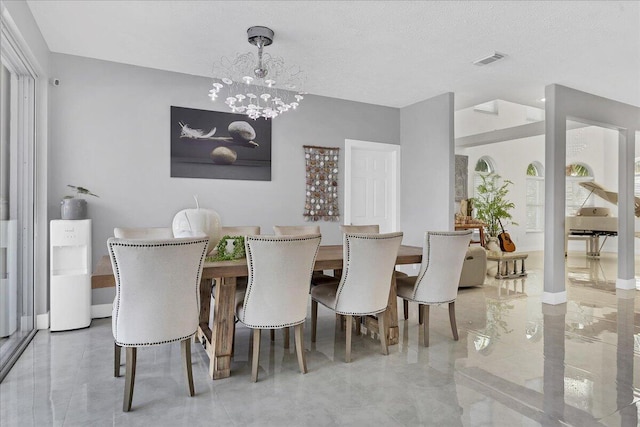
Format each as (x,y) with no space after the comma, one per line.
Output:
(73,208)
(493,246)
(198,220)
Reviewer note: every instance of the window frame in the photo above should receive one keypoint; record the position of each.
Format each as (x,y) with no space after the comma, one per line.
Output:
(536,209)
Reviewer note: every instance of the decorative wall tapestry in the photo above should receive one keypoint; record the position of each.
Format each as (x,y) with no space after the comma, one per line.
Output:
(211,144)
(322,183)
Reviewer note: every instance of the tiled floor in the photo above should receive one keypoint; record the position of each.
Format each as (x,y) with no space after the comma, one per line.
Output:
(517,363)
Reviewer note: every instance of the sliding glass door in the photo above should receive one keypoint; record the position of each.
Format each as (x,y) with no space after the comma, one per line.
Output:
(17,161)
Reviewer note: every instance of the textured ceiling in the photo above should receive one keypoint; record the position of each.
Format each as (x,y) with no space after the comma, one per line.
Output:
(390,53)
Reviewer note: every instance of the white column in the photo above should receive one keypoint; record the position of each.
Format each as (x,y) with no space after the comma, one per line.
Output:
(626,210)
(554,210)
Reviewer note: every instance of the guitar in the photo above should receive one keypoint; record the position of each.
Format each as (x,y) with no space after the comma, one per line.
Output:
(506,244)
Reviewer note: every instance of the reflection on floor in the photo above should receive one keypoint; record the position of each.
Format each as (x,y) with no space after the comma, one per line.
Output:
(517,363)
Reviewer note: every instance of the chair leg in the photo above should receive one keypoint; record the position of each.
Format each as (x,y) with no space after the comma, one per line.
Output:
(130,378)
(299,337)
(286,337)
(382,331)
(314,319)
(420,314)
(347,357)
(272,334)
(357,320)
(256,355)
(452,319)
(405,304)
(233,344)
(117,351)
(425,309)
(185,346)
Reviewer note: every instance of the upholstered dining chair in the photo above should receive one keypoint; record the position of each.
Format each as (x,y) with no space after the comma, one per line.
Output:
(157,299)
(280,268)
(443,254)
(318,277)
(369,260)
(371,228)
(143,233)
(240,230)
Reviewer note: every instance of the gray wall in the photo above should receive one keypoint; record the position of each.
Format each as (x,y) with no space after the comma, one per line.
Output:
(426,130)
(109,132)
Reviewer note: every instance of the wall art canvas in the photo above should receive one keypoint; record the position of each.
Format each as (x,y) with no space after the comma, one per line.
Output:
(321,201)
(216,145)
(461,177)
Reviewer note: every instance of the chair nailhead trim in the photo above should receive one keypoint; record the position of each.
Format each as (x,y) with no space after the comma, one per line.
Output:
(121,344)
(284,238)
(152,245)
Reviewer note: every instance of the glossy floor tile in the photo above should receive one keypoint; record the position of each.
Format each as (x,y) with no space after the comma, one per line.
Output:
(517,363)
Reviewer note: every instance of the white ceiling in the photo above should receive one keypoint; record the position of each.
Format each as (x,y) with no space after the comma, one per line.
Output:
(392,53)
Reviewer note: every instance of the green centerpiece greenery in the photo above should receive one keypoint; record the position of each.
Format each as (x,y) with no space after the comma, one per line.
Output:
(223,255)
(491,202)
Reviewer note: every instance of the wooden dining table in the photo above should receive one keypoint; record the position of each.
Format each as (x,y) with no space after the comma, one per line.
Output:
(218,340)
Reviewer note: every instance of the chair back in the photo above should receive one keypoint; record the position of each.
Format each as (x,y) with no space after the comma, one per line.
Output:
(369,261)
(157,289)
(371,229)
(247,230)
(295,230)
(443,254)
(280,269)
(148,233)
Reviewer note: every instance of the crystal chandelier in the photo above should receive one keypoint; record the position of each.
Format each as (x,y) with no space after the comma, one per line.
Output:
(258,88)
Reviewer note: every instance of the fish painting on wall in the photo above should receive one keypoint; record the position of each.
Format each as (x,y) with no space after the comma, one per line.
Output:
(217,145)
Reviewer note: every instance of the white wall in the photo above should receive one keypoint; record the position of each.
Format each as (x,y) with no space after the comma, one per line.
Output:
(469,121)
(110,133)
(511,161)
(427,167)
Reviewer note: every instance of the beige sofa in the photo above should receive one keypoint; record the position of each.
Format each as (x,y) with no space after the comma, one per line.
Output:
(474,269)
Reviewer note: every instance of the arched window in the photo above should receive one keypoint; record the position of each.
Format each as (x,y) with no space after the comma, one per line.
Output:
(577,196)
(484,166)
(535,197)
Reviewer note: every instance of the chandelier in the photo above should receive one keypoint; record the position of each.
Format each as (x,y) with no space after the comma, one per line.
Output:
(262,87)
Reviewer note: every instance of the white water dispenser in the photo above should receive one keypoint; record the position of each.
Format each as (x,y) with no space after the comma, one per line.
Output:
(70,274)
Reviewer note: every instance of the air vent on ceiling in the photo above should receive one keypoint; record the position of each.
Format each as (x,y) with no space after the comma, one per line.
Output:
(489,59)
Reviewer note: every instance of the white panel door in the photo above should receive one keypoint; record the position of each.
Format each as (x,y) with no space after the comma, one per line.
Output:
(372,193)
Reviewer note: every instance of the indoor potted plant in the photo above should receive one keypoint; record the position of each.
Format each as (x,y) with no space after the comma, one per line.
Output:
(72,207)
(492,206)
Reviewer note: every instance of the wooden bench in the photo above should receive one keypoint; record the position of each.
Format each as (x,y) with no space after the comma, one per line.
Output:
(508,264)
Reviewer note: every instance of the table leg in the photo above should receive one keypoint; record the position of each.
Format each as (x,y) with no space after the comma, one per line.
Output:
(391,314)
(223,323)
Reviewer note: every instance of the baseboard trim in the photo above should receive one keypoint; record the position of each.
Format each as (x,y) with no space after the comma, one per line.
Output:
(42,321)
(626,283)
(554,298)
(99,311)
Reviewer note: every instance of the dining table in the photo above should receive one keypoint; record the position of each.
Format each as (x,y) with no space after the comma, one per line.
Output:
(217,339)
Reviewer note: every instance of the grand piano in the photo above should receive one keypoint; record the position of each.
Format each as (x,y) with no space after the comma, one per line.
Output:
(591,223)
